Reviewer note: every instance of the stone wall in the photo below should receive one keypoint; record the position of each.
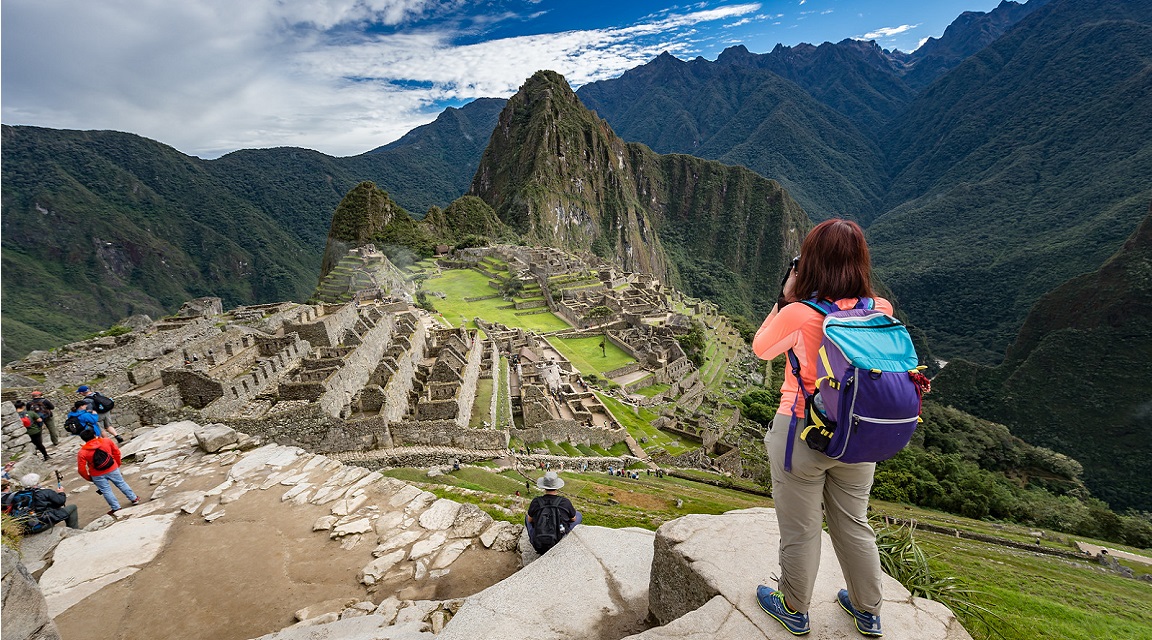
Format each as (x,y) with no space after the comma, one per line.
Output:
(359,365)
(571,431)
(323,325)
(264,372)
(446,433)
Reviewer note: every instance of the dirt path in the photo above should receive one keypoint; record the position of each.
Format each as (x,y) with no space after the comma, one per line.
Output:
(247,573)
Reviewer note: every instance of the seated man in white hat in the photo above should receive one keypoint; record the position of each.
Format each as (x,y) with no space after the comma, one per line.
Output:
(550,516)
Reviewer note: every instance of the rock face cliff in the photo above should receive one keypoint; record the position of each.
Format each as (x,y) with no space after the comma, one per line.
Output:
(557,174)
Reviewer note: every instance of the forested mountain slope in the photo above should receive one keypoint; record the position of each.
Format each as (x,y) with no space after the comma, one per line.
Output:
(1078,379)
(1026,165)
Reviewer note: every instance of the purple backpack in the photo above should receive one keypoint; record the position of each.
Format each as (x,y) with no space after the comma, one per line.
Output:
(866,403)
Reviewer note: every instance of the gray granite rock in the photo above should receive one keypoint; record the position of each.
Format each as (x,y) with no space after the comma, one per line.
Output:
(592,585)
(25,611)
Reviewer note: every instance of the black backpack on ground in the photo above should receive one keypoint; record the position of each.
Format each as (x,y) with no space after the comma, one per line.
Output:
(546,527)
(20,505)
(72,425)
(102,403)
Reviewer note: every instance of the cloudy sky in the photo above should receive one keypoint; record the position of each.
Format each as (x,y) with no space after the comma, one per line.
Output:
(346,76)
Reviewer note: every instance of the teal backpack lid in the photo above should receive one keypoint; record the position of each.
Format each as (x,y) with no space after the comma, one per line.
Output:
(872,341)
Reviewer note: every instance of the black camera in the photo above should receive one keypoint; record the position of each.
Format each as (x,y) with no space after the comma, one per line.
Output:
(791,267)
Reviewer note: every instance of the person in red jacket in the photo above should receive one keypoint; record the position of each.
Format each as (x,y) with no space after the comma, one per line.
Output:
(99,461)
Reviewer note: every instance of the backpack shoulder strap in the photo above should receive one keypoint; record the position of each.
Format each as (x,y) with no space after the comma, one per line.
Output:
(865,303)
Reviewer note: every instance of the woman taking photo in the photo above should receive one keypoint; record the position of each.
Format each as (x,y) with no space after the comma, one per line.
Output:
(834,266)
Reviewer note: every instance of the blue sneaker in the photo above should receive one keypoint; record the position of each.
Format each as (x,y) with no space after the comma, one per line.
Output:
(772,602)
(866,623)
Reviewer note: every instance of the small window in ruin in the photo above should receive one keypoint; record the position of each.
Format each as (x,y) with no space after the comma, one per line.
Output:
(245,383)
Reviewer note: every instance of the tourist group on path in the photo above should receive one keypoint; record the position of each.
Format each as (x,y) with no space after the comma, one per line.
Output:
(98,461)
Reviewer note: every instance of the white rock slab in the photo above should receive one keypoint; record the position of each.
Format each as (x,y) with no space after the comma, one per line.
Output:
(501,536)
(420,503)
(362,525)
(215,437)
(270,455)
(170,436)
(398,541)
(440,515)
(85,563)
(371,627)
(405,495)
(592,585)
(450,553)
(376,569)
(470,521)
(428,546)
(348,505)
(698,557)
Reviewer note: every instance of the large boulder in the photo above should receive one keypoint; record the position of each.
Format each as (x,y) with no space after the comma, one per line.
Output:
(84,564)
(592,585)
(704,575)
(25,614)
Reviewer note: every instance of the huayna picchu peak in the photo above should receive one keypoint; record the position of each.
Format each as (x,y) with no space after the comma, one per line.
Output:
(559,175)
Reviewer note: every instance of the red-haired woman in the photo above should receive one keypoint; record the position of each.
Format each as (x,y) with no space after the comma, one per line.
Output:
(834,265)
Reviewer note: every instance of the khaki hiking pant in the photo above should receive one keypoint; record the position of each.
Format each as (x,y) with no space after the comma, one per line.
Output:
(843,489)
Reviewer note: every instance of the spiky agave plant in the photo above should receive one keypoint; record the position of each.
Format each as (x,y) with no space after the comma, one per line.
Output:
(902,558)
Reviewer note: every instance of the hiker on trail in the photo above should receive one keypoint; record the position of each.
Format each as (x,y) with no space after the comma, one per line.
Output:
(39,509)
(33,426)
(82,417)
(833,265)
(550,516)
(99,462)
(44,407)
(102,405)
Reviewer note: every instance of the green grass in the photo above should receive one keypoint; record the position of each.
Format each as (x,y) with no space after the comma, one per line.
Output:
(653,390)
(457,284)
(585,354)
(482,406)
(639,425)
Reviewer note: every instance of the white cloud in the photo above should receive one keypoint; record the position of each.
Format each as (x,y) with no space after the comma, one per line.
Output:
(887,32)
(211,76)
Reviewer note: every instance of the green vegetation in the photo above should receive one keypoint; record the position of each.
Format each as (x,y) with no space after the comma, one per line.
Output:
(587,355)
(458,284)
(638,422)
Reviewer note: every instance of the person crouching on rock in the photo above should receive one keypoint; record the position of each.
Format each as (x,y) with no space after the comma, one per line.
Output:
(42,509)
(550,516)
(99,462)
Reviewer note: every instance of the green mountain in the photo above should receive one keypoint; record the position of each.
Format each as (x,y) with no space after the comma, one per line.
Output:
(99,225)
(968,34)
(740,114)
(102,225)
(557,174)
(1078,379)
(1026,165)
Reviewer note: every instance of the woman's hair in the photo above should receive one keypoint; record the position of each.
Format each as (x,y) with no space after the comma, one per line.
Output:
(834,262)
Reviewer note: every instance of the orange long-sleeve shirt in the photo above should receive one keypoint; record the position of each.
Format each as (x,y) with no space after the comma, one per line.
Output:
(800,328)
(84,457)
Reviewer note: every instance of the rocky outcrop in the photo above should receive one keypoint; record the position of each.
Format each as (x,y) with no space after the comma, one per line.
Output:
(26,615)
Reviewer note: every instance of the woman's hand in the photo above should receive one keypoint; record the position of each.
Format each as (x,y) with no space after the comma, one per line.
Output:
(789,292)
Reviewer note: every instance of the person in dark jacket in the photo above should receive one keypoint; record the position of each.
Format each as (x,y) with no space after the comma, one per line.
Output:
(45,408)
(33,425)
(49,506)
(551,483)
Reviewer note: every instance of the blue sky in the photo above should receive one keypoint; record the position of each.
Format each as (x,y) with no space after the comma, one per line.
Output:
(346,76)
